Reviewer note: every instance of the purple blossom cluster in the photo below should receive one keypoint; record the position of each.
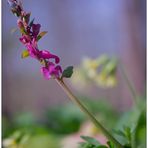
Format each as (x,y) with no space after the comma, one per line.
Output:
(30,35)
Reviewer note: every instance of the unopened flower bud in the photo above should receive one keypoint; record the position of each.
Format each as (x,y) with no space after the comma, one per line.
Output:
(20,24)
(16,7)
(25,17)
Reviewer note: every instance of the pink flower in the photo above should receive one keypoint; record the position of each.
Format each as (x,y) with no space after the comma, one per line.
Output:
(35,30)
(33,51)
(25,39)
(44,54)
(51,71)
(25,17)
(29,38)
(40,54)
(20,24)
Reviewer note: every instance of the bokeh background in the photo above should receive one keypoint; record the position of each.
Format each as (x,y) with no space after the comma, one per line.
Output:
(76,28)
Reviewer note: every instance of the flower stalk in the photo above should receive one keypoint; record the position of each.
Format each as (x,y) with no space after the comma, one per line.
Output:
(74,99)
(129,85)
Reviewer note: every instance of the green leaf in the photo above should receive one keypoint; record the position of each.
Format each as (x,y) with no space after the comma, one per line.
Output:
(127,131)
(25,54)
(67,73)
(31,23)
(102,146)
(119,132)
(23,31)
(91,140)
(41,35)
(127,146)
(86,145)
(110,144)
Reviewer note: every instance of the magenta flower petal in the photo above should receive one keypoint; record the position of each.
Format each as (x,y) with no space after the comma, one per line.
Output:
(58,68)
(51,71)
(25,39)
(57,59)
(55,71)
(20,24)
(33,52)
(47,55)
(35,29)
(46,73)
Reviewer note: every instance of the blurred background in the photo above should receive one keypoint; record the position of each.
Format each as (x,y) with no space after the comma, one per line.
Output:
(76,28)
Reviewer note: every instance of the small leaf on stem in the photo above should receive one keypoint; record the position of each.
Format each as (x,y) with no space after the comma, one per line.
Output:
(25,54)
(31,23)
(41,35)
(67,73)
(91,140)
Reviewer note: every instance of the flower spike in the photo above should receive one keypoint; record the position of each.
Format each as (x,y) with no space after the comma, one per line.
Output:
(30,35)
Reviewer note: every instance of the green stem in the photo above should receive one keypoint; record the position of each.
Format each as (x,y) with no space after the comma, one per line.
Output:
(84,109)
(129,84)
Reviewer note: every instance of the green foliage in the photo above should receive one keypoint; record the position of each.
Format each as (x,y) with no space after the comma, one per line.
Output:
(127,134)
(140,130)
(41,35)
(26,139)
(28,133)
(24,119)
(131,127)
(103,110)
(90,142)
(31,22)
(24,129)
(42,141)
(25,122)
(64,119)
(110,144)
(25,54)
(7,127)
(67,73)
(23,31)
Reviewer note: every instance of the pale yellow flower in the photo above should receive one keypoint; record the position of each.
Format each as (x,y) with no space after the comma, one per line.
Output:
(100,71)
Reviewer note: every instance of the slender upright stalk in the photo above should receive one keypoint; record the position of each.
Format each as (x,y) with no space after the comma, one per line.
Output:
(129,84)
(85,110)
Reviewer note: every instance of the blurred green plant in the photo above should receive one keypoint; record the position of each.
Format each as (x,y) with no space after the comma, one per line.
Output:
(24,129)
(24,122)
(134,122)
(25,139)
(90,142)
(59,121)
(66,119)
(26,132)
(100,71)
(129,130)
